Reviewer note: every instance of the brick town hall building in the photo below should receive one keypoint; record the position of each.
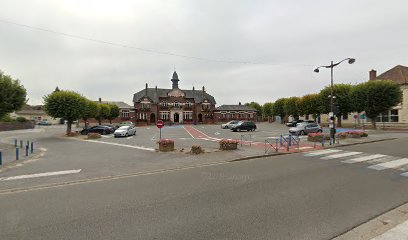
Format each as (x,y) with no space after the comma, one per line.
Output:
(174,105)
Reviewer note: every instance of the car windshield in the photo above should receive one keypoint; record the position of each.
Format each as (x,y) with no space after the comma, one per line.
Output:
(123,128)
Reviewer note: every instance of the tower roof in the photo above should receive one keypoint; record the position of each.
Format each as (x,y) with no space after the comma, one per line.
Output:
(175,76)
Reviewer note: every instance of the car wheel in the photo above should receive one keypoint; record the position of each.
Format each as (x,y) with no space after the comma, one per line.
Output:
(126,135)
(104,132)
(319,131)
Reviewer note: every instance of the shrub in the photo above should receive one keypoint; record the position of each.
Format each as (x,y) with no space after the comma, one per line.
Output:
(317,137)
(94,135)
(196,149)
(21,119)
(228,144)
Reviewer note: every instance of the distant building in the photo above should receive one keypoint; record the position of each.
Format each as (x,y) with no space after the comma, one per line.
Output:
(34,113)
(126,113)
(225,113)
(174,105)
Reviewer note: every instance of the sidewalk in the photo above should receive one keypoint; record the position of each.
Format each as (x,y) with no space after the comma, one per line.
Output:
(400,232)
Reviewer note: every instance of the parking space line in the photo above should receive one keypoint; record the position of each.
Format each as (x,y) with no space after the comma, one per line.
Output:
(40,175)
(123,145)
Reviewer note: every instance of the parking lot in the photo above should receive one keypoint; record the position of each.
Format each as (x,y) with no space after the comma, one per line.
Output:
(185,136)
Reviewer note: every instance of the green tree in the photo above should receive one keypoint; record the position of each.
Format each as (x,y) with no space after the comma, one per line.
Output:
(375,97)
(114,112)
(90,111)
(12,95)
(267,110)
(68,105)
(291,107)
(342,94)
(257,106)
(278,108)
(309,104)
(103,112)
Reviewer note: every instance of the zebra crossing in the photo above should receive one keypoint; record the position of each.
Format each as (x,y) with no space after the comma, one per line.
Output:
(376,161)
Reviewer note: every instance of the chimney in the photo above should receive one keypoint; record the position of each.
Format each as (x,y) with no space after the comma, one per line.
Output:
(100,100)
(373,74)
(146,90)
(203,89)
(156,88)
(239,103)
(193,88)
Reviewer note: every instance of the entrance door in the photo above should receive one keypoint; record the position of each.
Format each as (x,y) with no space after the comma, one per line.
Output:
(176,118)
(152,118)
(200,117)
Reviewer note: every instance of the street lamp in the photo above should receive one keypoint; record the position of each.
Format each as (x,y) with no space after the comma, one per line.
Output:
(331,114)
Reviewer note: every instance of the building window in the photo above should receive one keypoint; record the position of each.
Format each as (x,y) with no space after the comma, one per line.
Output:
(163,104)
(241,115)
(146,105)
(164,115)
(188,115)
(388,116)
(205,106)
(142,116)
(345,116)
(188,104)
(124,113)
(176,104)
(250,115)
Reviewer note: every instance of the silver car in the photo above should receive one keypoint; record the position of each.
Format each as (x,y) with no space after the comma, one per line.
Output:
(229,124)
(305,128)
(125,131)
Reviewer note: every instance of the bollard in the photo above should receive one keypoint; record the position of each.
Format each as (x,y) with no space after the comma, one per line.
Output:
(323,139)
(32,147)
(21,143)
(276,145)
(281,140)
(26,150)
(1,158)
(28,143)
(290,140)
(17,153)
(15,142)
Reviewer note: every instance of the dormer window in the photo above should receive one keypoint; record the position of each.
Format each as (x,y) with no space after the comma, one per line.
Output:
(188,104)
(164,103)
(176,104)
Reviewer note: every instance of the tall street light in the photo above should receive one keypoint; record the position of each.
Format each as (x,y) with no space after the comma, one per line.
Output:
(331,114)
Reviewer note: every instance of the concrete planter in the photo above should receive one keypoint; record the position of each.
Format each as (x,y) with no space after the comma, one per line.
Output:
(228,144)
(166,145)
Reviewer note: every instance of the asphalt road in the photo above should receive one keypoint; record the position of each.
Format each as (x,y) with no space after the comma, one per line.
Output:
(283,197)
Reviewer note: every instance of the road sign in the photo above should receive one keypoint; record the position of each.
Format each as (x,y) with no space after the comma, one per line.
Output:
(160,124)
(355,116)
(363,116)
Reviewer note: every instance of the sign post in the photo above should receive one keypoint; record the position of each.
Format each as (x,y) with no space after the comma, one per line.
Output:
(160,125)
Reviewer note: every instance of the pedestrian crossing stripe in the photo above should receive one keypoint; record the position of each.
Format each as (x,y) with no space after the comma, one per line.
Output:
(340,155)
(365,158)
(322,152)
(391,164)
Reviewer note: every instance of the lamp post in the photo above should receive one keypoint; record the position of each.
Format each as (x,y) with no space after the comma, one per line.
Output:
(331,114)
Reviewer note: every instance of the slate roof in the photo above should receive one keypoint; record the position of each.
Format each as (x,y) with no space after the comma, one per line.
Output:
(119,104)
(235,108)
(154,95)
(398,74)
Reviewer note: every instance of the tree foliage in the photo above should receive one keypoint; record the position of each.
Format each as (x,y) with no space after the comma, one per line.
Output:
(113,112)
(375,97)
(267,109)
(342,94)
(278,108)
(12,95)
(90,111)
(68,105)
(257,106)
(291,107)
(103,112)
(309,104)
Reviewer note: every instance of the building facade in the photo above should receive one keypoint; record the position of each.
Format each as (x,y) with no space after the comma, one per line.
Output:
(35,113)
(173,105)
(226,113)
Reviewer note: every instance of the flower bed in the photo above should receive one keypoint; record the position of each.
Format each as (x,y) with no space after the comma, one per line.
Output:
(317,137)
(228,144)
(352,134)
(166,145)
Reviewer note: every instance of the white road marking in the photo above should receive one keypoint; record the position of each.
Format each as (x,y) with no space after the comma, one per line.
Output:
(391,164)
(322,152)
(405,174)
(40,175)
(363,159)
(340,155)
(129,137)
(106,136)
(123,145)
(217,133)
(305,147)
(188,132)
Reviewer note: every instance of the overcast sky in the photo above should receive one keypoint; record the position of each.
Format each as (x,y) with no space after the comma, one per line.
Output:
(280,41)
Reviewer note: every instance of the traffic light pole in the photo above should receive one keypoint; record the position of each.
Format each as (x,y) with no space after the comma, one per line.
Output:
(332,117)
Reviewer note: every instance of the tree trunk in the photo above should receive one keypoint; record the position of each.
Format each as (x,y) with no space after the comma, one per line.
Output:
(374,122)
(110,121)
(85,122)
(100,121)
(69,127)
(339,120)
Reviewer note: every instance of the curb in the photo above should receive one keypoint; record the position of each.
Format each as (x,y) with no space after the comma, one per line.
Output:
(372,141)
(376,225)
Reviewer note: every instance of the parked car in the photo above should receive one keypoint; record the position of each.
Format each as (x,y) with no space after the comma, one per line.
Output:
(97,129)
(44,122)
(249,126)
(128,123)
(125,131)
(305,128)
(229,124)
(113,128)
(295,122)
